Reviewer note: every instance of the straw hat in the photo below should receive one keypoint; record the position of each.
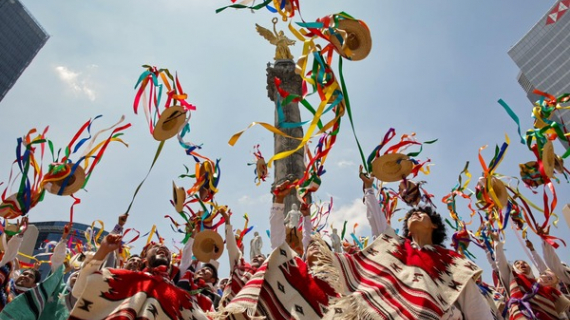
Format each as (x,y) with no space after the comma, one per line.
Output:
(498,188)
(358,39)
(169,123)
(208,245)
(10,208)
(559,164)
(548,159)
(392,167)
(178,197)
(410,192)
(74,184)
(11,228)
(261,168)
(77,261)
(530,174)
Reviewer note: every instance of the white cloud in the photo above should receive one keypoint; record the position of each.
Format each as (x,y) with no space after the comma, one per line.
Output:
(353,213)
(346,163)
(248,201)
(74,80)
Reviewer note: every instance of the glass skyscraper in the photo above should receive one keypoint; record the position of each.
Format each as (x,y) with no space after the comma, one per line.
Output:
(543,57)
(21,38)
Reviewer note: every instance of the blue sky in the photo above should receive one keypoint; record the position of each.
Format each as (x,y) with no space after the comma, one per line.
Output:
(436,68)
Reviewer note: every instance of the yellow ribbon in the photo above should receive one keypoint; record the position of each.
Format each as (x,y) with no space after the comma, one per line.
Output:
(490,175)
(95,240)
(267,126)
(151,233)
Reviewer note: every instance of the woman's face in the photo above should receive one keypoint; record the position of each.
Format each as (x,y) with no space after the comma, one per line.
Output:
(548,279)
(420,222)
(523,267)
(258,260)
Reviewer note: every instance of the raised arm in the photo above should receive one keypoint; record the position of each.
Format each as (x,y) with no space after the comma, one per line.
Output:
(554,263)
(537,258)
(505,274)
(276,218)
(13,246)
(111,261)
(186,259)
(60,250)
(374,213)
(234,254)
(307,225)
(109,244)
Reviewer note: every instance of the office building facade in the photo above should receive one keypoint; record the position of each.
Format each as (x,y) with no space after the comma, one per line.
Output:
(543,57)
(21,38)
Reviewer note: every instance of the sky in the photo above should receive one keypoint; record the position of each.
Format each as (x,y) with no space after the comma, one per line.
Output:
(437,68)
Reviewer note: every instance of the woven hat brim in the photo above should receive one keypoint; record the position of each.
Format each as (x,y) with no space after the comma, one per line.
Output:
(10,208)
(548,159)
(499,189)
(179,196)
(402,160)
(198,250)
(559,164)
(410,190)
(361,32)
(71,188)
(169,123)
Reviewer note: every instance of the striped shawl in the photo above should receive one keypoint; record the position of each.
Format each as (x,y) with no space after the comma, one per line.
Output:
(545,303)
(285,288)
(31,304)
(123,294)
(391,279)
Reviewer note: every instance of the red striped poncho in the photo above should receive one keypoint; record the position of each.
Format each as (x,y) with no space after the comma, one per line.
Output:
(240,275)
(545,303)
(283,288)
(123,294)
(391,279)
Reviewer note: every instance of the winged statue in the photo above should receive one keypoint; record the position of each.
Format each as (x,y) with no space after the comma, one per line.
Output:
(278,39)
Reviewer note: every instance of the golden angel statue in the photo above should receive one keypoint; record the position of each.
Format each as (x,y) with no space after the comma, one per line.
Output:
(281,42)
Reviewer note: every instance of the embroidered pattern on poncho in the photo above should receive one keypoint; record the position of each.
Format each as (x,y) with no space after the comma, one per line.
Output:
(282,289)
(119,293)
(392,279)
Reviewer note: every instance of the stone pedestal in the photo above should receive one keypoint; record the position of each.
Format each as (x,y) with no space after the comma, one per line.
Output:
(293,166)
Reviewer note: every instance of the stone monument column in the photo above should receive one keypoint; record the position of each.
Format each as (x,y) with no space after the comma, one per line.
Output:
(293,166)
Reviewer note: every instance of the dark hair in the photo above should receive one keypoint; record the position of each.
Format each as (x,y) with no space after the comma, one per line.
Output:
(133,256)
(37,275)
(439,235)
(214,271)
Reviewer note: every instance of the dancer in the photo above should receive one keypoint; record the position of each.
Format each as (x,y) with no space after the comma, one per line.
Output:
(408,277)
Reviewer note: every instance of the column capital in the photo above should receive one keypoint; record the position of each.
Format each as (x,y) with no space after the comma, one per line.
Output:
(290,81)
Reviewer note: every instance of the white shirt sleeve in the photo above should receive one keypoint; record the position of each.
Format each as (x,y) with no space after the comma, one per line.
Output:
(186,258)
(88,269)
(58,256)
(307,230)
(505,273)
(276,225)
(234,254)
(553,262)
(491,261)
(12,248)
(374,213)
(539,262)
(473,304)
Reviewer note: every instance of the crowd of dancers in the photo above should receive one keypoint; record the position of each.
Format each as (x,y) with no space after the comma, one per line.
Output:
(407,276)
